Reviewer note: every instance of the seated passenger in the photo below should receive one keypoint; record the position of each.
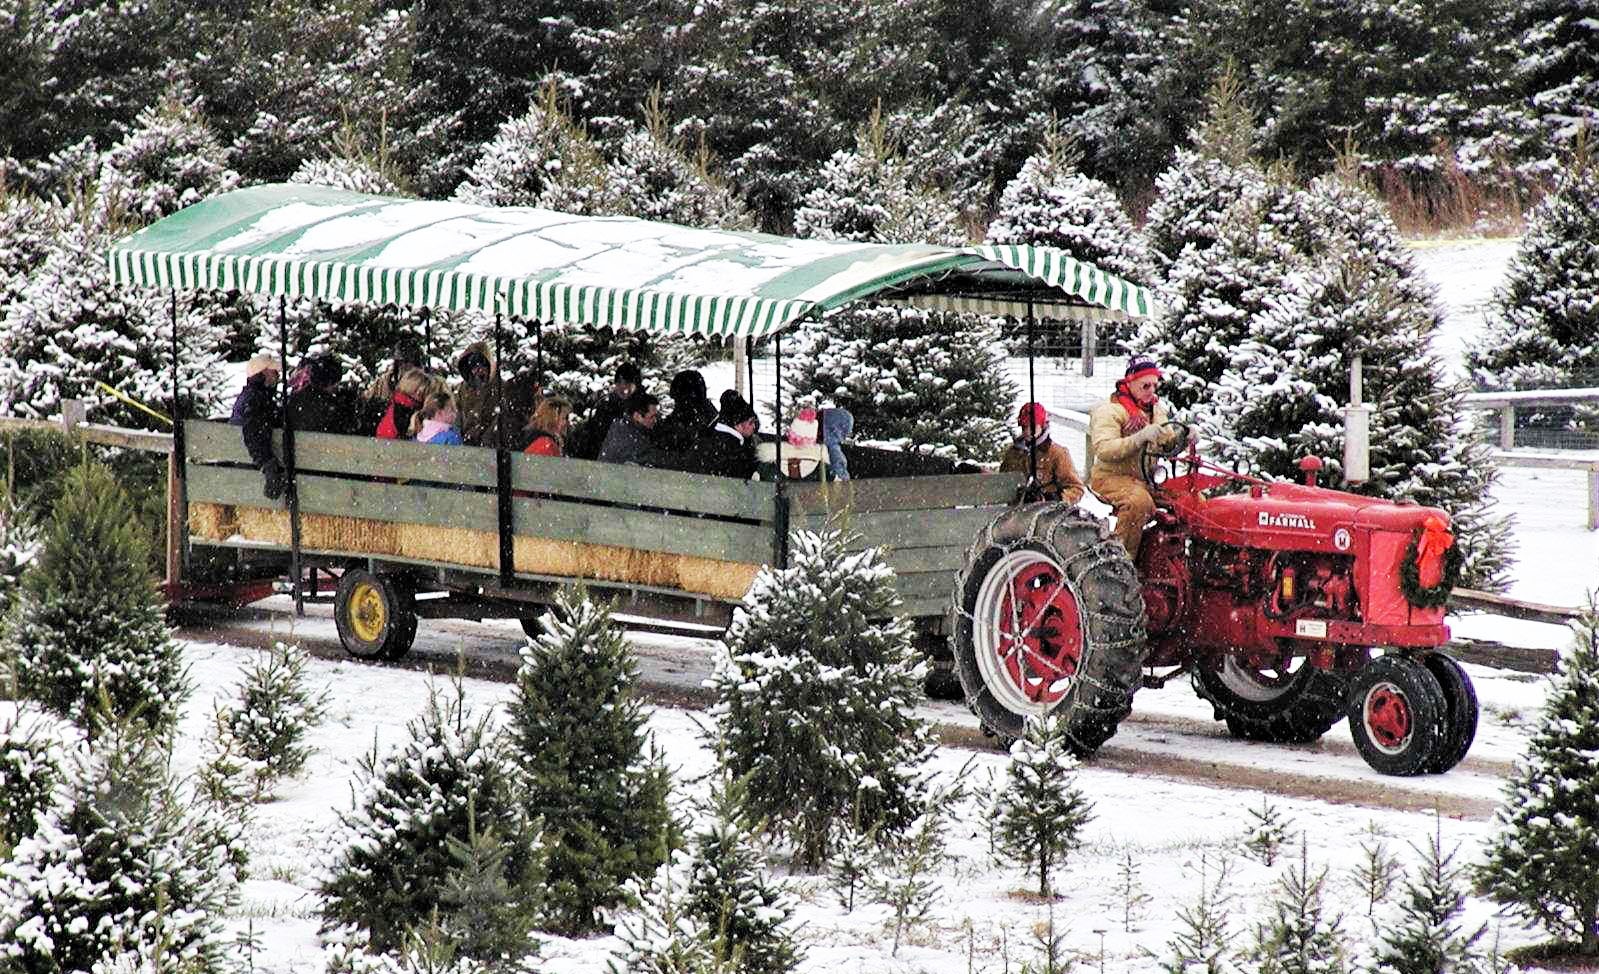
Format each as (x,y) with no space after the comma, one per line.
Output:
(435,421)
(692,412)
(475,394)
(319,406)
(375,400)
(588,438)
(1057,475)
(547,427)
(409,392)
(727,449)
(256,410)
(837,425)
(631,438)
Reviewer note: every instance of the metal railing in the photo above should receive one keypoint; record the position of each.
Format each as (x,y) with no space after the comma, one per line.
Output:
(1506,404)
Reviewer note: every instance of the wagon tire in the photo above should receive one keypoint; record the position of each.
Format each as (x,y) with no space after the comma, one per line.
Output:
(375,615)
(1397,715)
(1460,701)
(533,623)
(1291,708)
(1048,618)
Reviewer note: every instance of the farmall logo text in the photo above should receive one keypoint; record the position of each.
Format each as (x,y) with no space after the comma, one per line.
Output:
(1300,521)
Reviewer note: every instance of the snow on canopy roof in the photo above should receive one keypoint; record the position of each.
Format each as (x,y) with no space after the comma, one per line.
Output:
(559,268)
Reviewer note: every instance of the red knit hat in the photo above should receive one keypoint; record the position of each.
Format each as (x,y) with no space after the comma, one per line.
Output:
(1140,366)
(1032,416)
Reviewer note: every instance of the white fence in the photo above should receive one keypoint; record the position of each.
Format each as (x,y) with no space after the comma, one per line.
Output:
(1506,404)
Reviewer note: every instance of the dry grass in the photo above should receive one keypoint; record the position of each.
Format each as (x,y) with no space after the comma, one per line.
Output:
(1450,202)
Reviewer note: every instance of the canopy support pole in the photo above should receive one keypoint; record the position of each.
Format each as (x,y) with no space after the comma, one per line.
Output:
(779,480)
(427,339)
(1032,397)
(502,467)
(288,457)
(177,489)
(538,353)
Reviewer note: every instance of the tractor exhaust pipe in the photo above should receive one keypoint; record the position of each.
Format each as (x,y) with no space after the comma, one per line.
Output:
(1357,431)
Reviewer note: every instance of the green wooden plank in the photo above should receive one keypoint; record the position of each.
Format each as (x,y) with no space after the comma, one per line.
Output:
(907,493)
(210,442)
(925,585)
(404,503)
(911,529)
(942,559)
(226,485)
(647,486)
(646,530)
(926,607)
(370,456)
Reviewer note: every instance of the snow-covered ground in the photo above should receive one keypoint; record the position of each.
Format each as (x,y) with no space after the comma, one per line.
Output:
(985,920)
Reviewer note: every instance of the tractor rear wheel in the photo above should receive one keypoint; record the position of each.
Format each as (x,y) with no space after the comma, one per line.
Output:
(1460,700)
(375,615)
(1397,715)
(1049,618)
(1293,705)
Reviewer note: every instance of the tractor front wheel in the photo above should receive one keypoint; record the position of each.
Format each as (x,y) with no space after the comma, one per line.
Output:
(375,615)
(1049,619)
(1398,715)
(1281,705)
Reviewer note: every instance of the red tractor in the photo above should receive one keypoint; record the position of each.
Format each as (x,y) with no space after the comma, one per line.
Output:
(1271,596)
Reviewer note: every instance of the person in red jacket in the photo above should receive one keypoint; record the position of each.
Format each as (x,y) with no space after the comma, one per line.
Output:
(546,428)
(412,388)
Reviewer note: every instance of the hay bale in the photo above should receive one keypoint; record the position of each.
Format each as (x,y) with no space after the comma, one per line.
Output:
(457,546)
(264,524)
(215,522)
(542,556)
(712,576)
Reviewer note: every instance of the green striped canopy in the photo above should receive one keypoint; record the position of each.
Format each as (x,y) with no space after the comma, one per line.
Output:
(596,271)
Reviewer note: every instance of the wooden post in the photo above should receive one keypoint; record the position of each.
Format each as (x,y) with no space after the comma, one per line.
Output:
(174,525)
(74,413)
(1507,427)
(1593,500)
(1090,338)
(741,354)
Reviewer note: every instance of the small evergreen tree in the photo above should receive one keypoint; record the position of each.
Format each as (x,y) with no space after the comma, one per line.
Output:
(659,180)
(395,865)
(125,857)
(907,883)
(1267,832)
(751,917)
(169,160)
(1299,938)
(1050,203)
(664,936)
(1377,872)
(1130,890)
(1203,941)
(852,866)
(810,756)
(928,381)
(274,709)
(1544,328)
(1540,864)
(577,727)
(1041,813)
(1427,938)
(33,765)
(542,158)
(87,638)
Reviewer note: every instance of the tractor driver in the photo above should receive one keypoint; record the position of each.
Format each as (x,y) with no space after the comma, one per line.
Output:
(1118,430)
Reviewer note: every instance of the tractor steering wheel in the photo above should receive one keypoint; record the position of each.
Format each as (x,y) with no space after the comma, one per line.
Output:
(1152,456)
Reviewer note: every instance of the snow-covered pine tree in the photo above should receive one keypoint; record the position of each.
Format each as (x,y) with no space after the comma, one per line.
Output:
(870,194)
(344,173)
(1279,400)
(930,381)
(1268,830)
(577,728)
(1426,935)
(809,757)
(169,160)
(1041,813)
(88,639)
(659,180)
(1300,938)
(663,936)
(1540,864)
(542,158)
(1050,203)
(852,865)
(69,328)
(274,708)
(393,861)
(28,226)
(1194,194)
(1544,329)
(33,764)
(1203,940)
(1556,74)
(125,856)
(749,915)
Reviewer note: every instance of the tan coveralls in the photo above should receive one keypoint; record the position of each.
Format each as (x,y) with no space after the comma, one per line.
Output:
(1113,469)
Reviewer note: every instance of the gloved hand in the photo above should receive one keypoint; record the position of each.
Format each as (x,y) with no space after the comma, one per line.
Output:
(1148,434)
(276,480)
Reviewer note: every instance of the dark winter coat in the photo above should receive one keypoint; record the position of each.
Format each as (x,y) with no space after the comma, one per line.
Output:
(723,453)
(256,411)
(475,403)
(676,433)
(317,410)
(588,437)
(628,442)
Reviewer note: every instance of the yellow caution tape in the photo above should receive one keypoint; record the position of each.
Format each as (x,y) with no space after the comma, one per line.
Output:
(136,404)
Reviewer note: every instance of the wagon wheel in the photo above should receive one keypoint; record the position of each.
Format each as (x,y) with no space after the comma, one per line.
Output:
(375,615)
(1290,704)
(1460,702)
(1397,715)
(1049,618)
(533,622)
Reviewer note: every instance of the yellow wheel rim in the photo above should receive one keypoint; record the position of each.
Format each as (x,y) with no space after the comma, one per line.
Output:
(368,614)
